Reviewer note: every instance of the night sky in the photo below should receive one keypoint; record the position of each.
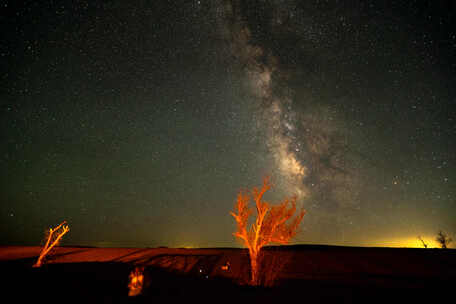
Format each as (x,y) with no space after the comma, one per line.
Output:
(139,121)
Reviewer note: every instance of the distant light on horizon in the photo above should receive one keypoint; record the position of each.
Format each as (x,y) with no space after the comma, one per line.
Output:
(404,242)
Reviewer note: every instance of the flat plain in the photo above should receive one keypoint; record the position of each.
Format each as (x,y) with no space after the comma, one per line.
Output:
(311,273)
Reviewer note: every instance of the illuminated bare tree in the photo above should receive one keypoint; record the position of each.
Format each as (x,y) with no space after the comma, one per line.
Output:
(443,239)
(136,282)
(53,238)
(270,226)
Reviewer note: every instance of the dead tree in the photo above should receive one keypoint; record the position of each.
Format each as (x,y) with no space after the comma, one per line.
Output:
(424,244)
(443,239)
(53,238)
(270,226)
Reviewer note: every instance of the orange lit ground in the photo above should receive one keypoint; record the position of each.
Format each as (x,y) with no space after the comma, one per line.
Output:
(316,274)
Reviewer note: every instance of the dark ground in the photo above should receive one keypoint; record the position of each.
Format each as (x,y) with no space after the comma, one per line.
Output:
(307,274)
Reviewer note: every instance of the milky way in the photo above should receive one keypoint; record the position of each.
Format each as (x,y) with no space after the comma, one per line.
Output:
(139,122)
(314,142)
(308,146)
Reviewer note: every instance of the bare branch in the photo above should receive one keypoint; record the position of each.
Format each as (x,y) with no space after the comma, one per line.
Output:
(52,241)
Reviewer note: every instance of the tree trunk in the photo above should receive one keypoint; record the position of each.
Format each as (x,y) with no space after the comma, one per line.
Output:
(254,268)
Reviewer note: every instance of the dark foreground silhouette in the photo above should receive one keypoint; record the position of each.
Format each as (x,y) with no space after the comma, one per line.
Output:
(304,274)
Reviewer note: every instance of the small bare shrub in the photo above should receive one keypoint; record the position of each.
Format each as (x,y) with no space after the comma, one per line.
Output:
(443,239)
(54,236)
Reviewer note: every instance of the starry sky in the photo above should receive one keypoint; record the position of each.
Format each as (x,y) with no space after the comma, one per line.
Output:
(139,121)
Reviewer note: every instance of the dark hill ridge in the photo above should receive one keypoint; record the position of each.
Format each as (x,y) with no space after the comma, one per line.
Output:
(322,271)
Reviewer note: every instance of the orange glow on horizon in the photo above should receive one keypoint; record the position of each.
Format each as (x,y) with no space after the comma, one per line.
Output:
(404,242)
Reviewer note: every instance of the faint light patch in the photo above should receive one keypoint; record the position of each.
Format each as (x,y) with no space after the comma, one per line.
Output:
(288,163)
(289,126)
(105,244)
(260,82)
(404,242)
